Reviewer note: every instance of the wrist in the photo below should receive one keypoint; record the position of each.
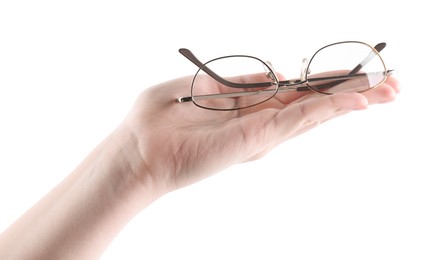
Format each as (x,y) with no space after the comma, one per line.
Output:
(94,202)
(128,174)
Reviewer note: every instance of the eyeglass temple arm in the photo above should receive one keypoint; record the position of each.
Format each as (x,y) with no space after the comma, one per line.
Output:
(190,56)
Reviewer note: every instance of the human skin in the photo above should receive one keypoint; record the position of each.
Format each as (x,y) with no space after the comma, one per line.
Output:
(159,147)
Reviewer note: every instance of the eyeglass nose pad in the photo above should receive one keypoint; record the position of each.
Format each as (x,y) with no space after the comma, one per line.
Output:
(304,73)
(269,73)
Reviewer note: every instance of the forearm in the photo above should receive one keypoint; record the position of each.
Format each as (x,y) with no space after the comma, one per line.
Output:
(81,216)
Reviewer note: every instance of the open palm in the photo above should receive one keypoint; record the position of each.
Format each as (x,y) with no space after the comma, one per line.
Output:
(181,143)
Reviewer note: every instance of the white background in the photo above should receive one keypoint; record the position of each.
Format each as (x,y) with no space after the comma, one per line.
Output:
(363,186)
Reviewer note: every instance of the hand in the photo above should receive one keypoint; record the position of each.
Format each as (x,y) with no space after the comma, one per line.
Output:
(161,146)
(180,143)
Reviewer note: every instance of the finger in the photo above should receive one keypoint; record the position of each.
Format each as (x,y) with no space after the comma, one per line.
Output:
(384,93)
(271,127)
(311,112)
(394,83)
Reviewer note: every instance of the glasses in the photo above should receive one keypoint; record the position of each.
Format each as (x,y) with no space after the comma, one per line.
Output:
(240,81)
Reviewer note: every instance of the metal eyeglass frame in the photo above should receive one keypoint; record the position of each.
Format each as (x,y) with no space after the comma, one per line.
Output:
(300,84)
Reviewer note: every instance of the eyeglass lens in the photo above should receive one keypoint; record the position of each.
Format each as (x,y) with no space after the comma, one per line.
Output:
(236,83)
(345,67)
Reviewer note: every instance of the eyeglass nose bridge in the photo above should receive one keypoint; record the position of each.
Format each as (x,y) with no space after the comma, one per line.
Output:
(304,69)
